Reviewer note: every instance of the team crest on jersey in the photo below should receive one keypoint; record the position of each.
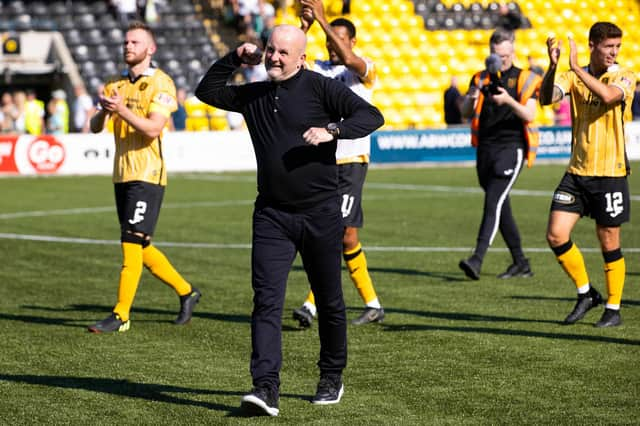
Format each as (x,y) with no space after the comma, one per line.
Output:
(143,85)
(562,197)
(511,83)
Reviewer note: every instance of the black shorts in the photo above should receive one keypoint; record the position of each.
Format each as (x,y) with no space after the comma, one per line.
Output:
(605,199)
(138,204)
(500,161)
(351,178)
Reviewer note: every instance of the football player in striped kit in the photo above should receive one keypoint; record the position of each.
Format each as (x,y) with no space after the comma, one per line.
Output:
(139,103)
(595,183)
(352,156)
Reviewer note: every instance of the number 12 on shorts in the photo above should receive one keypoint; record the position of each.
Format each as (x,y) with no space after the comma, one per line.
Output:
(615,204)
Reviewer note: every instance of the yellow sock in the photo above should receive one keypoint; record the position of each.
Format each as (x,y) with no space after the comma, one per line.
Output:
(614,276)
(573,264)
(129,278)
(357,266)
(162,269)
(310,299)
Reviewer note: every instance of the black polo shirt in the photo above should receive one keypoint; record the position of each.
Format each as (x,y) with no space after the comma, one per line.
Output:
(292,174)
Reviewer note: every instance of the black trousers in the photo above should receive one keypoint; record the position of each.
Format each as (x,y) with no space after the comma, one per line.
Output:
(277,235)
(498,168)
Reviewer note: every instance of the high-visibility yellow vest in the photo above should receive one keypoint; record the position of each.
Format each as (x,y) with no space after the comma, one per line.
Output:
(33,114)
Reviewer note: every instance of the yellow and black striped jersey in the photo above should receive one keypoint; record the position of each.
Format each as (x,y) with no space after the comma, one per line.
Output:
(137,157)
(598,143)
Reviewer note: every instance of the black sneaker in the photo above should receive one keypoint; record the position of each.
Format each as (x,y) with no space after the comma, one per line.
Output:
(304,317)
(517,270)
(110,324)
(610,318)
(585,302)
(260,402)
(369,315)
(187,304)
(471,267)
(330,390)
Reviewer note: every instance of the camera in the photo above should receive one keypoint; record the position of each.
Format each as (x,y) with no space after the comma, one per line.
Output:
(493,64)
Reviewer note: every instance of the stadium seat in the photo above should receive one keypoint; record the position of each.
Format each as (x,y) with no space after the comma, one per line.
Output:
(16,7)
(217,118)
(93,37)
(80,53)
(38,9)
(57,8)
(114,37)
(102,53)
(22,22)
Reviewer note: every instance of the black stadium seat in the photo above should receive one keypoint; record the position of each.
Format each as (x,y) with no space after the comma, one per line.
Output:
(94,35)
(81,53)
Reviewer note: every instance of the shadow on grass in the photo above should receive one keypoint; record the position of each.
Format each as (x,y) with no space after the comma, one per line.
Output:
(461,316)
(414,272)
(571,299)
(105,309)
(458,277)
(505,332)
(147,391)
(33,319)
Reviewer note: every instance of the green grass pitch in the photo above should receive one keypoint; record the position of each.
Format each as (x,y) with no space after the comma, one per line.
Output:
(450,352)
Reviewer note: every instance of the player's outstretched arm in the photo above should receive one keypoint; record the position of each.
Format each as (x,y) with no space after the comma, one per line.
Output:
(342,47)
(549,93)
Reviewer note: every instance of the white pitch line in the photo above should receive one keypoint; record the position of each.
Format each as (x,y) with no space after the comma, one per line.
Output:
(405,187)
(386,249)
(112,209)
(463,189)
(217,178)
(38,213)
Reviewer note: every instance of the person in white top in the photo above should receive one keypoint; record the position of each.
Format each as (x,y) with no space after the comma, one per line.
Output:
(83,110)
(352,156)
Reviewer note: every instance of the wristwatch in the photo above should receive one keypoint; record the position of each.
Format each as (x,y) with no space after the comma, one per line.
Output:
(333,130)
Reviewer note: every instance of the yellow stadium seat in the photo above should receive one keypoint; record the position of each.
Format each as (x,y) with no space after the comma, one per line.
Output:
(400,36)
(333,8)
(361,8)
(217,118)
(197,124)
(197,119)
(415,65)
(382,101)
(402,7)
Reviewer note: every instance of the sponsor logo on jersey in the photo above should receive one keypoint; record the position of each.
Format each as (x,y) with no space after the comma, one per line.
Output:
(164,99)
(625,81)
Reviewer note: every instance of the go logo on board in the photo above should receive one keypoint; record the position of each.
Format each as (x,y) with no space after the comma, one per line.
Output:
(45,154)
